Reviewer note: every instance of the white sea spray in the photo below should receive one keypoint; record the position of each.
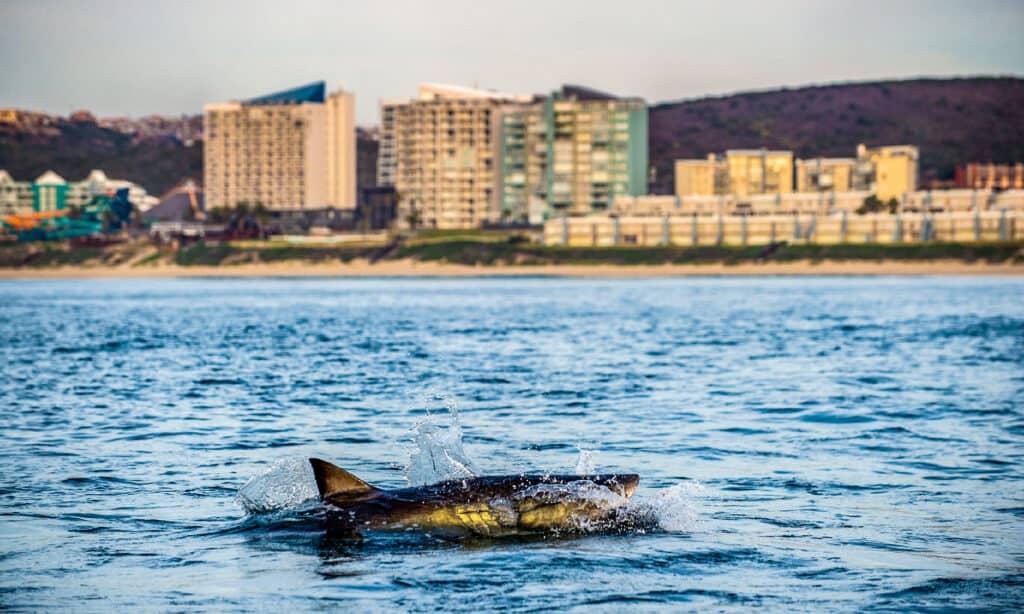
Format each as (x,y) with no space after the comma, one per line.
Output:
(437,453)
(585,462)
(287,484)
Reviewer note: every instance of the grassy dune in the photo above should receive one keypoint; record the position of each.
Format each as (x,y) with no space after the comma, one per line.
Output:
(494,250)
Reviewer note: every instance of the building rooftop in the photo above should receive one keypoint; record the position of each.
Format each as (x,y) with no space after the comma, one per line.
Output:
(312,92)
(441,91)
(580,92)
(50,178)
(176,205)
(758,152)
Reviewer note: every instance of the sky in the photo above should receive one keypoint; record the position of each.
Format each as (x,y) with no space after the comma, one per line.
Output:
(139,57)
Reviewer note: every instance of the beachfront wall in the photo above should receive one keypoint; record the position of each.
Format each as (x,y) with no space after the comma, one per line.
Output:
(602,230)
(816,203)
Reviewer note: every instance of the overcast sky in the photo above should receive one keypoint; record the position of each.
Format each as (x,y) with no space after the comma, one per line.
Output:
(136,57)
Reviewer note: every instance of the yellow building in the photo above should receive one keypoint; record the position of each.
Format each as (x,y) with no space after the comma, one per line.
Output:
(292,150)
(759,171)
(701,177)
(439,152)
(8,116)
(741,172)
(825,175)
(894,168)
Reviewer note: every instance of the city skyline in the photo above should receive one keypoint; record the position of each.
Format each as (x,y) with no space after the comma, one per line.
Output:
(117,58)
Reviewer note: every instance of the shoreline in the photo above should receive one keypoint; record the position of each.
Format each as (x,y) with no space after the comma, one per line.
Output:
(413,268)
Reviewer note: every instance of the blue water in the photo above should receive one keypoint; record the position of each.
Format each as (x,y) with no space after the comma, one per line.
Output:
(815,444)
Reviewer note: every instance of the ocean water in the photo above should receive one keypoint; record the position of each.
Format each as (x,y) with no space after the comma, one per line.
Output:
(825,444)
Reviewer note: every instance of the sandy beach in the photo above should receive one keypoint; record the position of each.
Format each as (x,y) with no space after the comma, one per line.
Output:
(410,268)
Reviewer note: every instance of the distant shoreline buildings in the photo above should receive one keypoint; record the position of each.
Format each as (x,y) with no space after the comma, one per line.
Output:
(462,157)
(455,157)
(888,172)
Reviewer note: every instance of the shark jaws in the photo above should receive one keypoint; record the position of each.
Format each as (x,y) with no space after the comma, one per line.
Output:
(488,506)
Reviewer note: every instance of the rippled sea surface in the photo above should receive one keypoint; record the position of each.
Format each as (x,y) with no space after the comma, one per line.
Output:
(859,442)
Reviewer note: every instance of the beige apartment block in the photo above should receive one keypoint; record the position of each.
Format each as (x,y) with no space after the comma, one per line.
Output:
(288,151)
(741,172)
(341,149)
(440,155)
(759,171)
(825,175)
(894,168)
(701,177)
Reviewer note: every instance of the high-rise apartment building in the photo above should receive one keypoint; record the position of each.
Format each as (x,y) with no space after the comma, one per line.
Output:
(292,150)
(439,155)
(571,153)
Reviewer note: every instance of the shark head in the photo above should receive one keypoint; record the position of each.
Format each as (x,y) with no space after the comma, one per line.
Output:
(622,484)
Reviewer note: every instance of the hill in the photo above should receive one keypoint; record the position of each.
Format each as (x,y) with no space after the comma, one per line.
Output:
(157,162)
(73,148)
(951,120)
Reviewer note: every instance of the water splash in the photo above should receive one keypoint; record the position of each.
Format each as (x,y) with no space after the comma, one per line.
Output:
(288,484)
(670,509)
(585,463)
(438,454)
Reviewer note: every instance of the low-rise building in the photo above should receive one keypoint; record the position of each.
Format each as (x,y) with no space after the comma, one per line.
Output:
(51,192)
(743,172)
(893,168)
(990,176)
(825,174)
(889,172)
(819,203)
(702,177)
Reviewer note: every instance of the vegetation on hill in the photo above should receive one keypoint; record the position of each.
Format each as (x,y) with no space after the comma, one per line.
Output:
(952,120)
(73,148)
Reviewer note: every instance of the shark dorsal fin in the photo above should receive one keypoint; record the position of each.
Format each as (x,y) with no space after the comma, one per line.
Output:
(333,480)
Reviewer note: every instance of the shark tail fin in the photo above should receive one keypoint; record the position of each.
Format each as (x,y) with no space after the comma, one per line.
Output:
(332,480)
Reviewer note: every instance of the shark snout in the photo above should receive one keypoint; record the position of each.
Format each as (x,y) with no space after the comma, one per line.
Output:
(623,484)
(629,483)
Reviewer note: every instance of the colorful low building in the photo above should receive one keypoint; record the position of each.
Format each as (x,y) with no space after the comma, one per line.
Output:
(51,192)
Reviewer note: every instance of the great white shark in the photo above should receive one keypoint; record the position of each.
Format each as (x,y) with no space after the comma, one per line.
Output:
(489,506)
